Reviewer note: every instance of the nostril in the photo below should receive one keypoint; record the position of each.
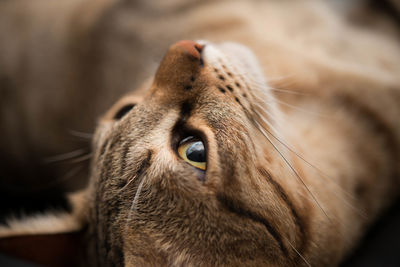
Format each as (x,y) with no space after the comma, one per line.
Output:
(199,47)
(194,49)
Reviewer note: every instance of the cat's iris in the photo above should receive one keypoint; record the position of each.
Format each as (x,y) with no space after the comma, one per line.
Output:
(193,152)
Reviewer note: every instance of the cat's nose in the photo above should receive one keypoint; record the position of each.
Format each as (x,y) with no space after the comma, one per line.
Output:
(192,48)
(181,63)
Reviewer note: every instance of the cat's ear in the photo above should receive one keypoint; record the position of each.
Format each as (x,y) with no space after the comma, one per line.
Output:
(51,238)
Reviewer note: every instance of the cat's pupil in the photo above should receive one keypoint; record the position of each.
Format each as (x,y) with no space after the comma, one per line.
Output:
(196,152)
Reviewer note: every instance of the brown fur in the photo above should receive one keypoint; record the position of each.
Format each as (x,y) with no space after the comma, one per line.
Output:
(280,166)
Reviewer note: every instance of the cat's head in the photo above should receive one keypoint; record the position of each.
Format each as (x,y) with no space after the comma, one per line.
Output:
(185,173)
(190,170)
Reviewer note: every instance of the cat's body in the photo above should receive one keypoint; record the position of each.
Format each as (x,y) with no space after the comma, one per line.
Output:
(297,167)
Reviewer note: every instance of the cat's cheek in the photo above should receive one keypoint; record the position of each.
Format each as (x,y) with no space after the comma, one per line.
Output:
(200,175)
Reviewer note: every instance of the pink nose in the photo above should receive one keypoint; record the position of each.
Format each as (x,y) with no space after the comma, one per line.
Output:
(194,49)
(181,63)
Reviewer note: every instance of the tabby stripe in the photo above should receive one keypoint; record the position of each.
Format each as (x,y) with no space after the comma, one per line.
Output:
(144,165)
(238,208)
(299,221)
(123,158)
(103,147)
(103,244)
(102,235)
(99,188)
(112,213)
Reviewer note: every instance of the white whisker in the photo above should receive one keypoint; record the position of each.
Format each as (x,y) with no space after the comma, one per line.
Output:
(65,156)
(86,136)
(134,203)
(287,91)
(298,253)
(261,129)
(81,158)
(325,176)
(301,109)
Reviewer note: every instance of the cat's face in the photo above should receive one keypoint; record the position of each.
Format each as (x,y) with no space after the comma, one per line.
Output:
(188,175)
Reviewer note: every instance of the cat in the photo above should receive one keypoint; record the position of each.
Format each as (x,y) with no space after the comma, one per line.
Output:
(278,151)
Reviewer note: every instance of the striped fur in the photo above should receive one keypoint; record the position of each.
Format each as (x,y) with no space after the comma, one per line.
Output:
(302,132)
(262,200)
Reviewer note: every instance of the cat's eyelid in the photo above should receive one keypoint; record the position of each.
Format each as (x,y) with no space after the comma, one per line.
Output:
(189,138)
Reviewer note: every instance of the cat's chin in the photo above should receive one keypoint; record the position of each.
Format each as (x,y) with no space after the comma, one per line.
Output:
(230,53)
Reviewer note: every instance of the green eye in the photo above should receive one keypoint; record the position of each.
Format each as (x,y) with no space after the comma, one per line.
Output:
(193,152)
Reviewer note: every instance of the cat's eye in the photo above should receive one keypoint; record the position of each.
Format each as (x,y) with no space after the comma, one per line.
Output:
(192,150)
(123,111)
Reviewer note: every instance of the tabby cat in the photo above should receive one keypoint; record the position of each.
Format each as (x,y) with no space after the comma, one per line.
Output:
(279,151)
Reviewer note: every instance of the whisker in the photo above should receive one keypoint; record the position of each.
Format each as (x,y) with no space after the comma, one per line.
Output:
(127,184)
(323,175)
(326,177)
(291,149)
(254,87)
(286,91)
(262,110)
(134,203)
(81,158)
(65,156)
(298,253)
(251,82)
(281,78)
(301,109)
(261,129)
(266,114)
(82,135)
